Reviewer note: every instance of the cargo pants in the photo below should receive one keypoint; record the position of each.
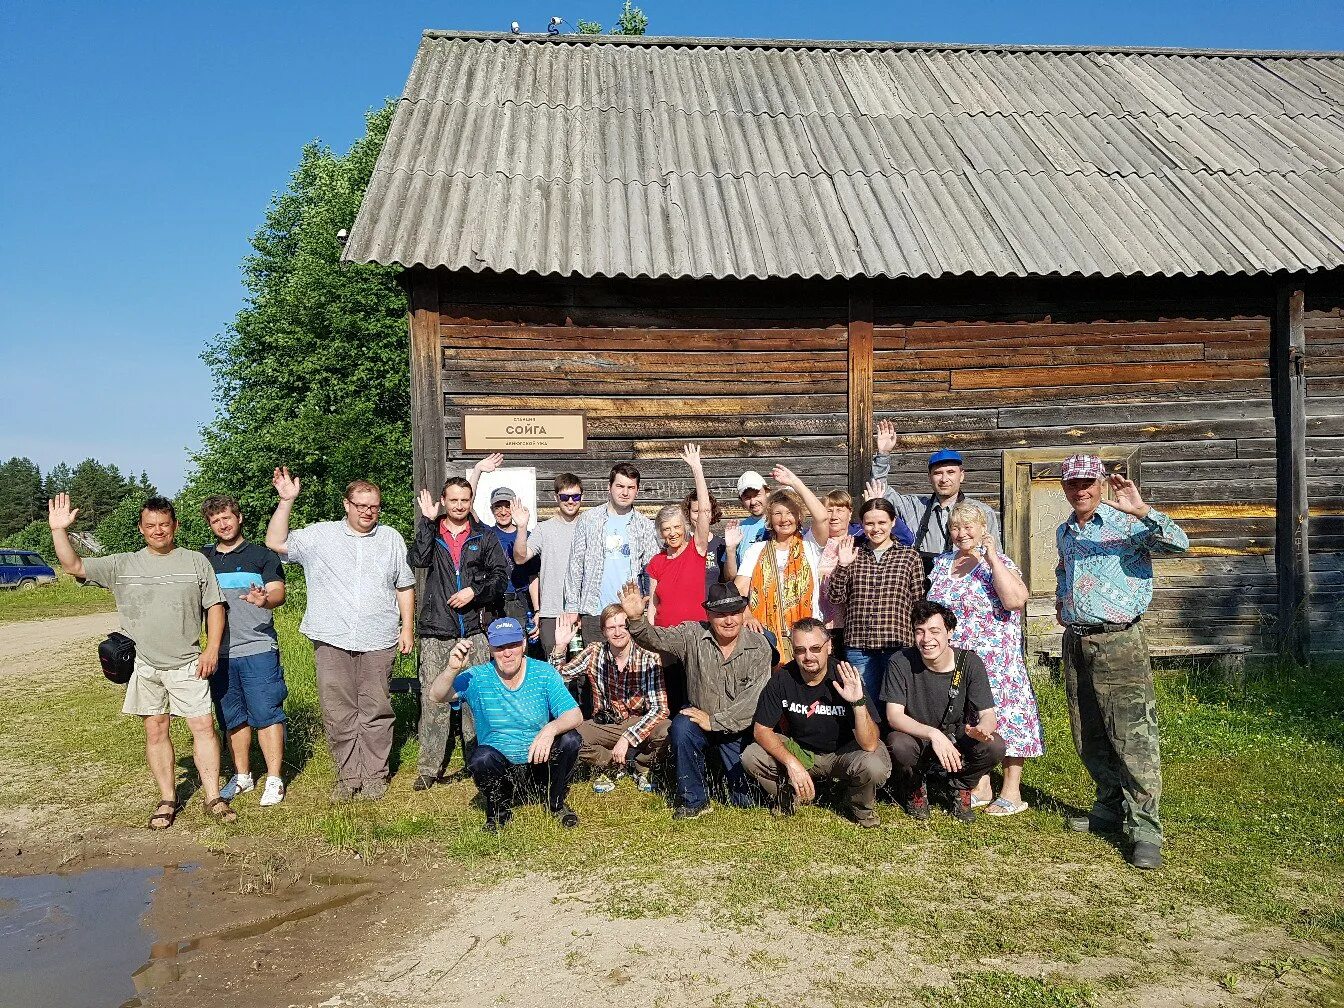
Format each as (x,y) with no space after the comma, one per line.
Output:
(438,721)
(1108,679)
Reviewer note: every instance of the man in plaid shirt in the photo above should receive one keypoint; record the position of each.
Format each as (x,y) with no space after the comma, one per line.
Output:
(630,710)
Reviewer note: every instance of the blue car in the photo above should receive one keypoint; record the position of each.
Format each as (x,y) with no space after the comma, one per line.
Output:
(21,569)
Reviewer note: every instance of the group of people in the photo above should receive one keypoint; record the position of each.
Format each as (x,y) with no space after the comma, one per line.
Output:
(808,649)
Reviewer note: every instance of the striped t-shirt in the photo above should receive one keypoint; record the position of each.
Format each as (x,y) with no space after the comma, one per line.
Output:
(160,599)
(508,720)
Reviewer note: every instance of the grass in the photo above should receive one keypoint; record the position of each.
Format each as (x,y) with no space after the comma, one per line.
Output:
(67,597)
(1016,912)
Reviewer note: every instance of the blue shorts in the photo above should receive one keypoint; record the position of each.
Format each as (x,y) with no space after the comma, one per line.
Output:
(249,690)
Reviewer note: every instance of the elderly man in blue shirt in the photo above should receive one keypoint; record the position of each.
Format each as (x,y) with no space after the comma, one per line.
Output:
(1105,584)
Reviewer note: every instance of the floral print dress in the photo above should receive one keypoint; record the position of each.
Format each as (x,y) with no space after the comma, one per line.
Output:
(995,634)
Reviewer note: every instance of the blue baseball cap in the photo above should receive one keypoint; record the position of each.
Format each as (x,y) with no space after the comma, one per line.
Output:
(945,457)
(504,631)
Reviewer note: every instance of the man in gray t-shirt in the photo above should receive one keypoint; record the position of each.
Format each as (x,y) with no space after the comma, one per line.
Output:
(162,591)
(552,540)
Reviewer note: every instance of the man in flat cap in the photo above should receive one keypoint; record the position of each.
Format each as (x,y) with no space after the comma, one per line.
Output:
(928,513)
(1105,584)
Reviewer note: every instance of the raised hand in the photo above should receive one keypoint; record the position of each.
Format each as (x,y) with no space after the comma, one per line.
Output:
(286,484)
(1127,497)
(564,633)
(886,437)
(691,456)
(875,489)
(60,515)
(521,515)
(459,656)
(847,552)
(785,476)
(850,683)
(490,463)
(632,601)
(732,535)
(429,507)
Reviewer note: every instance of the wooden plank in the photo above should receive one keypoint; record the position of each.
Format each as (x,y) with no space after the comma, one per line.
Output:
(1291,540)
(658,407)
(429,461)
(1194,408)
(1102,374)
(1032,354)
(577,339)
(861,392)
(1076,395)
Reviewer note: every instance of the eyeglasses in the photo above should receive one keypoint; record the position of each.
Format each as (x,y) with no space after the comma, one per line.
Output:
(364,508)
(570,498)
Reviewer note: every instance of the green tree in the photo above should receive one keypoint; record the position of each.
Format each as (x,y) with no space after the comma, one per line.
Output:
(313,372)
(21,500)
(96,489)
(632,21)
(119,532)
(58,481)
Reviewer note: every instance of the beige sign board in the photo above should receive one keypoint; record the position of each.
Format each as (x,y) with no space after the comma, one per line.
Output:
(510,432)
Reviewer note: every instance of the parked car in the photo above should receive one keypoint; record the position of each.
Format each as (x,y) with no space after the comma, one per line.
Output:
(21,569)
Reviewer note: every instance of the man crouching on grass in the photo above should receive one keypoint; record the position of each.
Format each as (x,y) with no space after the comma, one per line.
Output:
(161,592)
(526,725)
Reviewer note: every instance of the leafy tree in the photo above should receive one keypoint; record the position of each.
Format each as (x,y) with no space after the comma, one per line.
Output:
(21,501)
(313,372)
(119,532)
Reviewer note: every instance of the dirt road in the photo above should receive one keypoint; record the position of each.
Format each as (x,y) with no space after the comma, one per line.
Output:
(21,641)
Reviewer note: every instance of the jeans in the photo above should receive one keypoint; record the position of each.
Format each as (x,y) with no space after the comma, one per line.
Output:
(871,664)
(688,748)
(503,784)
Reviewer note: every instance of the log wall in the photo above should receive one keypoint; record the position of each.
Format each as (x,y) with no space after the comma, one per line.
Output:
(761,371)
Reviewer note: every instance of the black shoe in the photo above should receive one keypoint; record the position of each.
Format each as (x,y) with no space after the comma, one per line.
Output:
(423,782)
(566,817)
(1146,855)
(496,821)
(916,803)
(1092,824)
(691,811)
(960,807)
(786,799)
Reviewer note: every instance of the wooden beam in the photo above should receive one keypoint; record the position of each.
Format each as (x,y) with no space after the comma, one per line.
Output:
(428,447)
(860,358)
(1291,543)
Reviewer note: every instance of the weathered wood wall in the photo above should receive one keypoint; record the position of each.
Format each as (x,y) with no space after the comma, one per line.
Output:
(760,371)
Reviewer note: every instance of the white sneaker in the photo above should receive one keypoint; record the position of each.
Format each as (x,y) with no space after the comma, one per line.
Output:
(239,783)
(273,793)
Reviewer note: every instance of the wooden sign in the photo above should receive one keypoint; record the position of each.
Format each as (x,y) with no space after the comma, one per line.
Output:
(492,431)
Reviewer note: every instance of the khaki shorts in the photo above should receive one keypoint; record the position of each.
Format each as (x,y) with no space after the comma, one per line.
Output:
(167,691)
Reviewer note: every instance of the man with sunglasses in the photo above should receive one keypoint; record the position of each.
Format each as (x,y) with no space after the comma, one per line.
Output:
(360,614)
(552,540)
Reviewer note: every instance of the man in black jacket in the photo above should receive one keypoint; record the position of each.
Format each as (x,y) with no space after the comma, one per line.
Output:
(464,585)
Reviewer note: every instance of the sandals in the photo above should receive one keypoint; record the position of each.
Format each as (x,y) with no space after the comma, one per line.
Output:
(224,815)
(161,820)
(1003,807)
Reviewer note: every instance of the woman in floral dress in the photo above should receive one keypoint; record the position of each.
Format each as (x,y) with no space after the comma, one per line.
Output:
(986,592)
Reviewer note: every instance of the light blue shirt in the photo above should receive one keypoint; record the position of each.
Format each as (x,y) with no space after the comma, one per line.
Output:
(508,719)
(751,532)
(1105,571)
(618,564)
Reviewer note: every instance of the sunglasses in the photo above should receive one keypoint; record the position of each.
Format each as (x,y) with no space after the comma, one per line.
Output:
(569,497)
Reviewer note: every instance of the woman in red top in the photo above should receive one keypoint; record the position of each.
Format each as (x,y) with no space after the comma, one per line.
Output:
(677,575)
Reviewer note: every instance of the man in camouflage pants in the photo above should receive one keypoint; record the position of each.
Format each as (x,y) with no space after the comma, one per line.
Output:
(1105,584)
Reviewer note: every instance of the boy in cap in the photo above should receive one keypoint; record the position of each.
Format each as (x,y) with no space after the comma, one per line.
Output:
(927,514)
(1105,584)
(527,739)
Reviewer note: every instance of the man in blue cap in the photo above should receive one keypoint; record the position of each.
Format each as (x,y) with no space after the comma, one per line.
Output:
(527,741)
(927,514)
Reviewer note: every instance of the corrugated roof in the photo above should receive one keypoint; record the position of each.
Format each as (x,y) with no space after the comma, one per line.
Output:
(603,156)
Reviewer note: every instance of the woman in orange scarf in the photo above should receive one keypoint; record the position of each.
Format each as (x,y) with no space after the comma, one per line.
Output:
(781,577)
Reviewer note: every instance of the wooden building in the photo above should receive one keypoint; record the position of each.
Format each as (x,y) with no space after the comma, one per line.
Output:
(1016,252)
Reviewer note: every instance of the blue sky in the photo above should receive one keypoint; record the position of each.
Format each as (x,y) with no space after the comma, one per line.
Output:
(143,143)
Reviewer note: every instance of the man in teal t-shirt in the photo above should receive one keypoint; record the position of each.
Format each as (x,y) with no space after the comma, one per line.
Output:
(527,741)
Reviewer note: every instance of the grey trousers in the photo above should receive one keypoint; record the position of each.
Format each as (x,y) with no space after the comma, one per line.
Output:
(860,773)
(356,711)
(436,719)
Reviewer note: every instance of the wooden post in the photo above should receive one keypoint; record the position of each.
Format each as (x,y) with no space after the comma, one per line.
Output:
(428,444)
(861,423)
(1291,544)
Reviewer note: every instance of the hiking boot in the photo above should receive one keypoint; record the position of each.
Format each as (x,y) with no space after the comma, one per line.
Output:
(691,811)
(603,784)
(1146,856)
(566,816)
(239,783)
(373,788)
(1092,823)
(786,799)
(423,782)
(960,808)
(863,818)
(916,803)
(497,820)
(344,791)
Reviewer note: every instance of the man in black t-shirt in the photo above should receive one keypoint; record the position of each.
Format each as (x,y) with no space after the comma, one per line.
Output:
(941,709)
(812,721)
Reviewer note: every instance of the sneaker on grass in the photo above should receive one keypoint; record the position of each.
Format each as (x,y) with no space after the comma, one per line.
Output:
(644,781)
(604,784)
(239,783)
(273,793)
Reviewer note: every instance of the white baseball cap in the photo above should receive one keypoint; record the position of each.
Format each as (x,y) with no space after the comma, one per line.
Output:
(750,480)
